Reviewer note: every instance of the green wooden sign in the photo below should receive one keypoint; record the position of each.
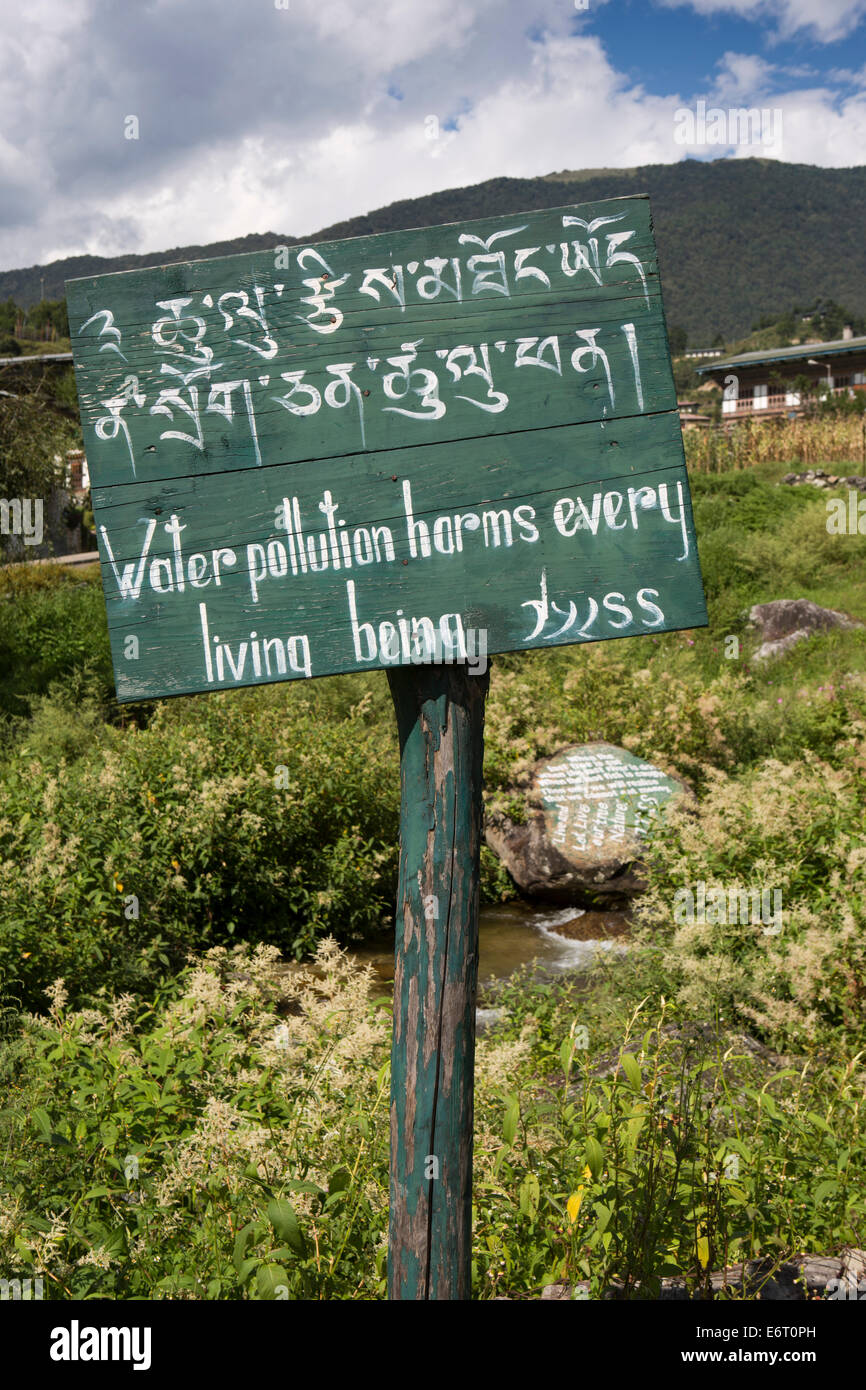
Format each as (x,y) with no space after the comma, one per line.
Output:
(411,447)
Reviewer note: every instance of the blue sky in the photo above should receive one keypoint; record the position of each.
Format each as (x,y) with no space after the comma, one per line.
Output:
(170,122)
(676,49)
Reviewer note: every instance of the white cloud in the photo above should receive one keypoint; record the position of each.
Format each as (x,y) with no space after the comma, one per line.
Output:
(741,76)
(819,130)
(257,119)
(396,33)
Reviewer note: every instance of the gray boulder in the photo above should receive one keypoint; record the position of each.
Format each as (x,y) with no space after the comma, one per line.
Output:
(786,621)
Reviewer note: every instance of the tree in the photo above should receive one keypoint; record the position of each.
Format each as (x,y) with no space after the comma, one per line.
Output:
(686,379)
(10,315)
(48,318)
(678,339)
(36,425)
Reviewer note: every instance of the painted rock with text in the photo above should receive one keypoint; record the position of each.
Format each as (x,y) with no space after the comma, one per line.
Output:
(589,809)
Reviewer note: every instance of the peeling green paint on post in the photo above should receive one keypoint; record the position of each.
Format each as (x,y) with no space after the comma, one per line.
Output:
(440,719)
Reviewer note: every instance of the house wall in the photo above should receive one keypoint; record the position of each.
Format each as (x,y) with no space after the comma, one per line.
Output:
(756,393)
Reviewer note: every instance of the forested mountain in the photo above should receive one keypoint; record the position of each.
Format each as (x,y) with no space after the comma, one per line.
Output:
(739,239)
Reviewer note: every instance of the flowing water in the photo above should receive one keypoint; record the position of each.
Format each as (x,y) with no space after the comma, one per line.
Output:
(515,934)
(512,934)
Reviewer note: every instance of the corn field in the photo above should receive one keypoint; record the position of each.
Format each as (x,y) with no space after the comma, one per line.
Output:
(837,439)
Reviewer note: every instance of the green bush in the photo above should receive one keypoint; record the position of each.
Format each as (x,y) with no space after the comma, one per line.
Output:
(243,815)
(35,427)
(638,1144)
(52,630)
(795,829)
(217,1146)
(231,1142)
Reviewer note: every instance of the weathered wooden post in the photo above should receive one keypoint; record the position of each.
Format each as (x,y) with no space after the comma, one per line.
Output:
(440,719)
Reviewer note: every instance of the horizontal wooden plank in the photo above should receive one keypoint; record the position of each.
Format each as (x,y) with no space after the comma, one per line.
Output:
(324,555)
(232,363)
(460,474)
(367,294)
(331,414)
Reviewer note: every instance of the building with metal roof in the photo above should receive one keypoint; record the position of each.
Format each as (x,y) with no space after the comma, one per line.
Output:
(762,382)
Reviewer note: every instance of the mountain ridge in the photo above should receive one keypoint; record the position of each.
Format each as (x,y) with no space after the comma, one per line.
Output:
(737,238)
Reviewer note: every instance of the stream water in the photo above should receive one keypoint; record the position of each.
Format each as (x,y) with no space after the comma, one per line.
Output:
(514,934)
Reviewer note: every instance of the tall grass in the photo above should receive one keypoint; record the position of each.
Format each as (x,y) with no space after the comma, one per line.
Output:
(231,1142)
(838,439)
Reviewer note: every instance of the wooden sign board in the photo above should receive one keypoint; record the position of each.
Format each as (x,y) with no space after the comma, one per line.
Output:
(411,447)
